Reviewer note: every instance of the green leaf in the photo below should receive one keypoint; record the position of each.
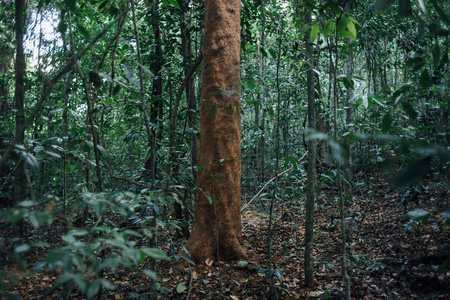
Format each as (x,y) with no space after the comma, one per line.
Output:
(409,110)
(273,53)
(404,8)
(174,3)
(315,29)
(71,4)
(155,253)
(351,27)
(93,288)
(130,76)
(436,55)
(413,172)
(95,79)
(386,122)
(424,79)
(151,274)
(418,215)
(382,6)
(342,25)
(181,288)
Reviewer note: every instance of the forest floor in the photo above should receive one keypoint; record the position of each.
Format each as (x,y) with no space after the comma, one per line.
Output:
(389,257)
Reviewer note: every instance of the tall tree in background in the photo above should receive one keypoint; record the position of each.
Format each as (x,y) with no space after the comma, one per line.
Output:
(311,172)
(217,230)
(6,55)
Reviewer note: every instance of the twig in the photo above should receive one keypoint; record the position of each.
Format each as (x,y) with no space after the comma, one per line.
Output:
(260,191)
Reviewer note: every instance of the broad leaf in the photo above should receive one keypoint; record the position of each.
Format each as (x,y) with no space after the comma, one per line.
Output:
(418,215)
(404,8)
(315,29)
(413,172)
(386,122)
(409,110)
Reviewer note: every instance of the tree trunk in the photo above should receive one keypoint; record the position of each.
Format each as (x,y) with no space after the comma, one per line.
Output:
(217,229)
(6,55)
(311,172)
(156,107)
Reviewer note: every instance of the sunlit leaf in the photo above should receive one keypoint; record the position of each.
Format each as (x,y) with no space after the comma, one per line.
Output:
(315,29)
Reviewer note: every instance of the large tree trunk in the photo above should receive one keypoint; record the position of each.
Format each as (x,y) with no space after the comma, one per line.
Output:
(217,230)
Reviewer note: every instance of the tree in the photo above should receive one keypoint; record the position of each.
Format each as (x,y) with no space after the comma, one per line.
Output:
(217,231)
(311,173)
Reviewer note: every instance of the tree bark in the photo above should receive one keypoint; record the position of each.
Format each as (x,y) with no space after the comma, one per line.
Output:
(217,229)
(311,173)
(19,96)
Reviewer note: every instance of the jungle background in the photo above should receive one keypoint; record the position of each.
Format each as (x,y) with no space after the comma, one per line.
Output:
(99,150)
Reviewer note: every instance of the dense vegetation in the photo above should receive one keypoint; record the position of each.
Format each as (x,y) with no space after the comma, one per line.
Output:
(345,132)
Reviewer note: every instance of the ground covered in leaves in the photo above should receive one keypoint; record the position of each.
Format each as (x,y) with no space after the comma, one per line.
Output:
(389,257)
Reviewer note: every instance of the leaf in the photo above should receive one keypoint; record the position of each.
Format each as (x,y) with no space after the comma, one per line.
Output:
(273,53)
(351,27)
(102,150)
(242,263)
(155,253)
(30,160)
(418,215)
(95,79)
(151,274)
(93,288)
(130,76)
(413,172)
(436,55)
(382,6)
(21,248)
(424,79)
(278,275)
(446,216)
(315,29)
(386,122)
(404,8)
(409,110)
(209,262)
(422,5)
(71,4)
(181,288)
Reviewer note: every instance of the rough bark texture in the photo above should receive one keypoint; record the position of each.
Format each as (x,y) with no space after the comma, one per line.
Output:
(220,136)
